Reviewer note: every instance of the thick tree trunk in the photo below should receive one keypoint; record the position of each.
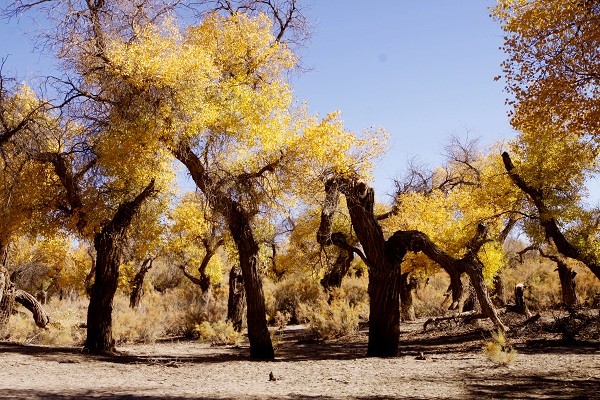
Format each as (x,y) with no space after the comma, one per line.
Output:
(407,287)
(237,298)
(567,284)
(109,244)
(7,299)
(383,258)
(333,278)
(137,285)
(261,346)
(384,313)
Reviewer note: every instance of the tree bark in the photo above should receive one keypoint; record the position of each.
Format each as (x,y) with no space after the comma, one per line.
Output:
(333,277)
(567,284)
(109,244)
(239,224)
(418,241)
(137,285)
(237,297)
(407,286)
(7,299)
(30,302)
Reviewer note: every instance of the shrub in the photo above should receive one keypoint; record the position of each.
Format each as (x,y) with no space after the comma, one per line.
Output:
(64,329)
(498,351)
(289,294)
(219,333)
(335,320)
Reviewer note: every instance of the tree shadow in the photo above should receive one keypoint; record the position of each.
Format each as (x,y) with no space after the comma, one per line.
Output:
(534,387)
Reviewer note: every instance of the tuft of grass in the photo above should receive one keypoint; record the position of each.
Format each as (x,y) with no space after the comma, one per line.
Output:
(498,351)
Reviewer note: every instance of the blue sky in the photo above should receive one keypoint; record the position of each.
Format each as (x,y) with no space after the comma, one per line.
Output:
(423,70)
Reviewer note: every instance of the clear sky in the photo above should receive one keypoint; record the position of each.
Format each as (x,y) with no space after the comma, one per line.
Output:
(423,70)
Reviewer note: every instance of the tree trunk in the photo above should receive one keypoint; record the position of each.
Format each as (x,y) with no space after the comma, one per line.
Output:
(109,244)
(237,297)
(567,284)
(407,286)
(383,259)
(30,302)
(7,300)
(239,223)
(261,346)
(384,313)
(333,277)
(456,290)
(520,305)
(137,286)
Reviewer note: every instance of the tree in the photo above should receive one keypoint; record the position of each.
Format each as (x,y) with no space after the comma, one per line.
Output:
(250,151)
(552,66)
(552,72)
(449,202)
(26,189)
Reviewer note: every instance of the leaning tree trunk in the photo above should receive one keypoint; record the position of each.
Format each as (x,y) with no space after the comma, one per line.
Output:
(407,286)
(109,244)
(237,298)
(567,284)
(137,284)
(239,224)
(29,302)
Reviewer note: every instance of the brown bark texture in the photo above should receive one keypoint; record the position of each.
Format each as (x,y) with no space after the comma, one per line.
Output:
(35,307)
(109,245)
(137,284)
(407,287)
(382,258)
(236,299)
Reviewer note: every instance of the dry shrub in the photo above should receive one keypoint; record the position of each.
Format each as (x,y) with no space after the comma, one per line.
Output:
(498,351)
(218,333)
(430,298)
(355,291)
(333,320)
(176,312)
(64,329)
(293,296)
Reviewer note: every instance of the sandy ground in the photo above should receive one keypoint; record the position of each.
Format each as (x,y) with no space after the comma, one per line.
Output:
(453,366)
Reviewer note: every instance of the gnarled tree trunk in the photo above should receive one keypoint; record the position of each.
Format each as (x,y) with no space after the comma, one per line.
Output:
(333,278)
(237,297)
(407,286)
(30,302)
(109,244)
(7,299)
(137,284)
